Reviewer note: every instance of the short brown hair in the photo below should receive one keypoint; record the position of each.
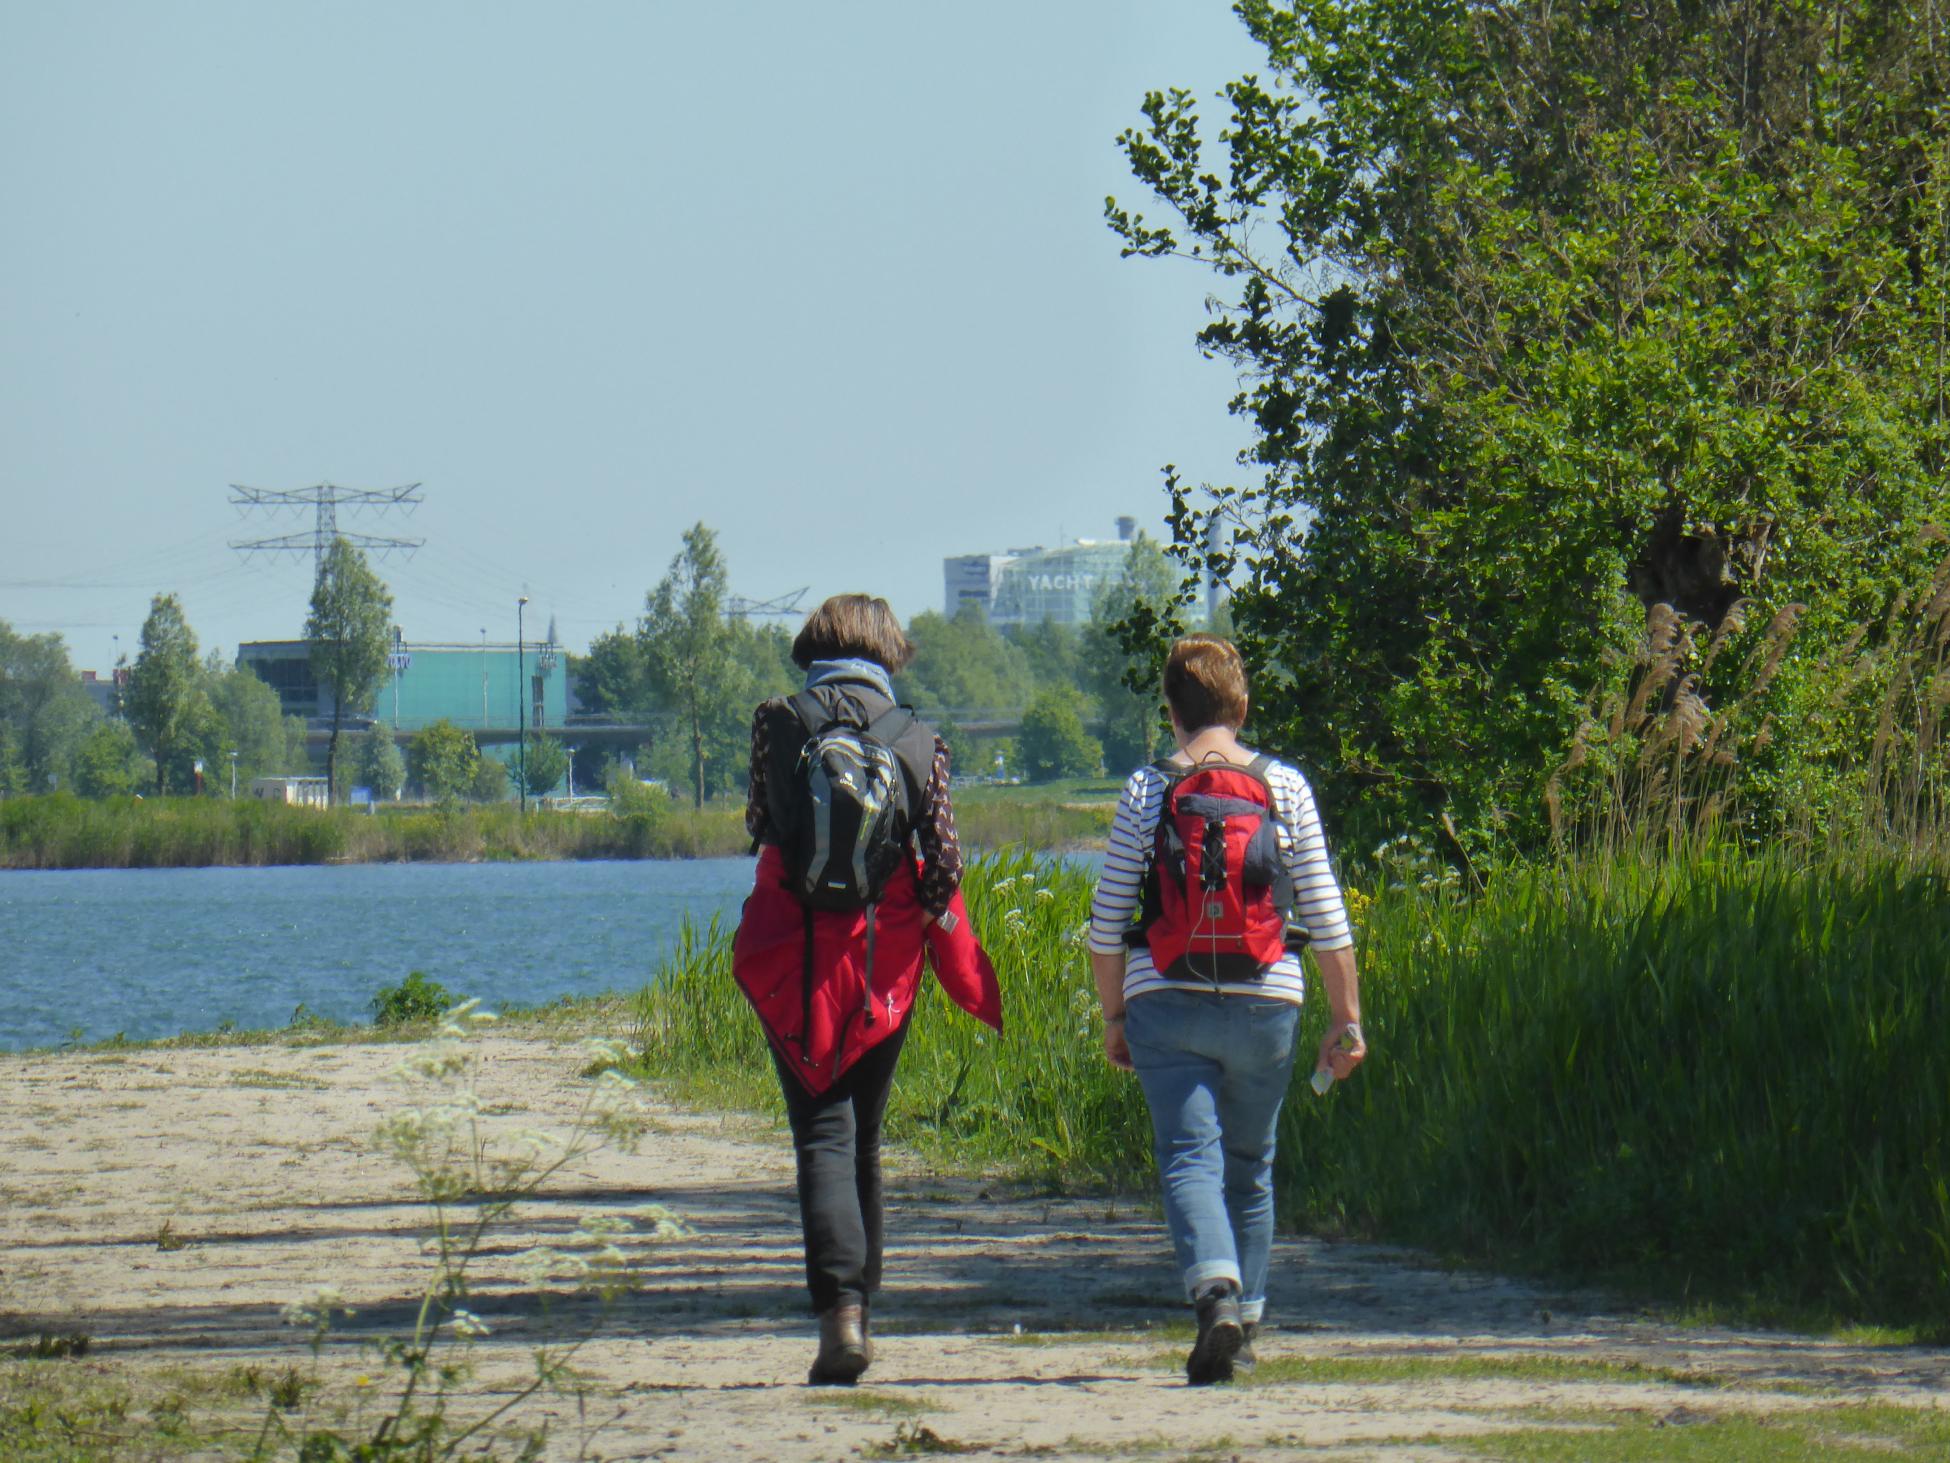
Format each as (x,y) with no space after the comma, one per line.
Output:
(853,627)
(1205,682)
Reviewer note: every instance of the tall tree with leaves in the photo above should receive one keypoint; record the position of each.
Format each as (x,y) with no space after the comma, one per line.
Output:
(349,629)
(544,765)
(165,686)
(686,641)
(443,760)
(1124,684)
(1548,314)
(44,714)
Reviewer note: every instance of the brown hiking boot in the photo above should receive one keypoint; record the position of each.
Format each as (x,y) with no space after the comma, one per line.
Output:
(1220,1335)
(842,1346)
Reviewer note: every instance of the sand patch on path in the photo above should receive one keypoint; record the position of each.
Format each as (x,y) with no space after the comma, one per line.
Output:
(169,1203)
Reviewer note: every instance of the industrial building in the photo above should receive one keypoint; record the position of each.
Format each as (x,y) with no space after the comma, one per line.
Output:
(476,687)
(1029,586)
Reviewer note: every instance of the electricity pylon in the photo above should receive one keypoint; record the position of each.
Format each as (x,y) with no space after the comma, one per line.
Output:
(325,499)
(738,607)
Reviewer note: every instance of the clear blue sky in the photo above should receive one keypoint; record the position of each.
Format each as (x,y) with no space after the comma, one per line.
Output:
(833,279)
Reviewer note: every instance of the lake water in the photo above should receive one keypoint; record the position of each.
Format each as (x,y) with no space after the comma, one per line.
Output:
(154,952)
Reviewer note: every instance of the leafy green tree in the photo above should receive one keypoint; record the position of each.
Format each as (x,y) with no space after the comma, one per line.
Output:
(1126,686)
(545,763)
(612,678)
(442,759)
(492,780)
(164,699)
(1052,653)
(1052,742)
(107,764)
(965,663)
(203,738)
(349,629)
(1545,320)
(686,646)
(44,713)
(254,723)
(380,765)
(13,771)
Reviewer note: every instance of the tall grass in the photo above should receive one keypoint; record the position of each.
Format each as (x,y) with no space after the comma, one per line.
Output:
(1721,1075)
(1037,1097)
(1724,1071)
(62,832)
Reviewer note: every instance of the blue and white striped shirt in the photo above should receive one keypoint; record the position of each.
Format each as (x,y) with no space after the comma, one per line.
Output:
(1317,897)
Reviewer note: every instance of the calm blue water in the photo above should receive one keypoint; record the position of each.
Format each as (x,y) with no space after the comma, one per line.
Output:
(153,952)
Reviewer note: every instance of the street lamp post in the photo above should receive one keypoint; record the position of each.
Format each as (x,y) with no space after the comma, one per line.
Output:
(233,777)
(399,659)
(521,706)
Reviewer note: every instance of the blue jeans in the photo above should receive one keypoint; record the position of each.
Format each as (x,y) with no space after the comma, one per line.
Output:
(1214,1070)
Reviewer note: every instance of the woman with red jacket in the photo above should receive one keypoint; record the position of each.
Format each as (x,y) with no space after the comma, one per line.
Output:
(833,988)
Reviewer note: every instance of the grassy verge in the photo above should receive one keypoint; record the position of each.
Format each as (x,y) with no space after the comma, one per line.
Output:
(61,832)
(1712,1078)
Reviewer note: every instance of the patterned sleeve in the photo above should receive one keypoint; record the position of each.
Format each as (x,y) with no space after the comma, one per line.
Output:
(757,819)
(935,837)
(1316,890)
(1120,886)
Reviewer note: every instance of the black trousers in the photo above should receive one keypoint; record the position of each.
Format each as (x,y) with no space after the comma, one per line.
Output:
(836,1138)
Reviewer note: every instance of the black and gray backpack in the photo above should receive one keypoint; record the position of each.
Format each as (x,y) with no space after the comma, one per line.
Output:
(842,797)
(848,807)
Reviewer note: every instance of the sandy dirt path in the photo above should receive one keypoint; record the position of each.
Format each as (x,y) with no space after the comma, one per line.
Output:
(259,1161)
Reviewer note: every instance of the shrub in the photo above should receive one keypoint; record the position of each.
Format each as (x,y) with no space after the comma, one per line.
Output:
(414,999)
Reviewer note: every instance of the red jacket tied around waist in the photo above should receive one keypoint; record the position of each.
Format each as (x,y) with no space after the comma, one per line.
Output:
(821,1031)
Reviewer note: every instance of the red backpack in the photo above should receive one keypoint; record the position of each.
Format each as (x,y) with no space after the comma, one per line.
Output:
(1222,918)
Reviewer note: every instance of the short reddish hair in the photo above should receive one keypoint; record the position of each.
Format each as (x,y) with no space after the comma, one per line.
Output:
(1205,682)
(853,627)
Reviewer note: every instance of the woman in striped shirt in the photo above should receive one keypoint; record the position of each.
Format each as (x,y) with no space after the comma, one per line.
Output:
(1215,1058)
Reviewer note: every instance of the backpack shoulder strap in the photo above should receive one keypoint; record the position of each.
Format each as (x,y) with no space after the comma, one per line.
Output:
(912,742)
(891,724)
(811,711)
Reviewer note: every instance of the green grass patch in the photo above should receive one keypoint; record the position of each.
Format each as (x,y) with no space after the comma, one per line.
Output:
(1381,1370)
(263,1077)
(871,1403)
(65,1411)
(1681,1436)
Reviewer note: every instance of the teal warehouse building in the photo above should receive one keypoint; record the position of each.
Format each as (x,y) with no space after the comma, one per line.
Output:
(488,689)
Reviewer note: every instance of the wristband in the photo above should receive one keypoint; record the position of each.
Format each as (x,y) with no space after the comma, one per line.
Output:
(1117,1020)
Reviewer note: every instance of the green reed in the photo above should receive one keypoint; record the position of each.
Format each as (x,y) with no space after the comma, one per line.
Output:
(1035,1098)
(1716,1074)
(1723,1072)
(62,832)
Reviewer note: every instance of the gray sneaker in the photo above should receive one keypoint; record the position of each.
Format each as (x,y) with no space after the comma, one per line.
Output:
(1220,1335)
